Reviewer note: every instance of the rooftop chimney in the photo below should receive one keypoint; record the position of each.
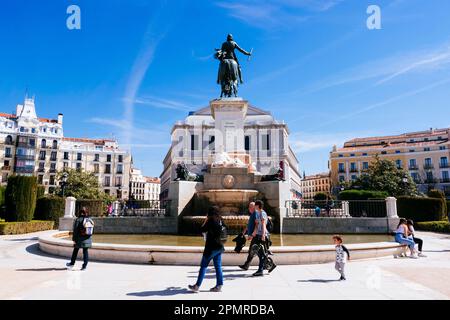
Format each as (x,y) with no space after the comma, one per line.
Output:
(60,118)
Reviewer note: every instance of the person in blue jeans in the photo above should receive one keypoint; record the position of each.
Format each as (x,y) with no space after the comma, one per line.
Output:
(213,250)
(401,236)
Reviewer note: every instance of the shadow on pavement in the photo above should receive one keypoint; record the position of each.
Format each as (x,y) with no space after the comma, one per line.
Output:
(319,280)
(225,276)
(34,249)
(43,269)
(171,291)
(25,239)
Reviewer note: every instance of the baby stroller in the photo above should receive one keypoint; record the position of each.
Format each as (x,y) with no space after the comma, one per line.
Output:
(264,248)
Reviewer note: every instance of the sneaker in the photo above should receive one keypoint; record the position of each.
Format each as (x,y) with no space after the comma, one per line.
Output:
(194,287)
(413,256)
(244,267)
(272,267)
(422,255)
(69,265)
(83,269)
(258,274)
(216,289)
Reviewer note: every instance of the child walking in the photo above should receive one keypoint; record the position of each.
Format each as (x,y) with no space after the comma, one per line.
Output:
(342,255)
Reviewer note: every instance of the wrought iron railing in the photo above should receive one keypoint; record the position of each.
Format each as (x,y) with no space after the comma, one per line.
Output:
(336,208)
(145,208)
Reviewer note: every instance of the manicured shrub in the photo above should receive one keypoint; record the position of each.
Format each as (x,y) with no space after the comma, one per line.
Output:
(320,196)
(40,191)
(2,202)
(438,194)
(25,227)
(434,226)
(50,208)
(96,208)
(20,198)
(421,209)
(362,195)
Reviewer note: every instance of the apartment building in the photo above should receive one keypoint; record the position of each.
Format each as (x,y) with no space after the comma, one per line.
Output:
(144,188)
(424,154)
(314,184)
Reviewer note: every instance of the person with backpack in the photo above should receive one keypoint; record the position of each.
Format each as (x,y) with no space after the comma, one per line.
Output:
(82,237)
(261,238)
(216,236)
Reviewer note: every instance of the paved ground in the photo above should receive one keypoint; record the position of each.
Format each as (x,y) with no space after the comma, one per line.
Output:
(27,273)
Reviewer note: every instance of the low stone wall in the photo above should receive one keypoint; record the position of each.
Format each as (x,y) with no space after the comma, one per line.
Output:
(191,225)
(129,225)
(190,256)
(339,225)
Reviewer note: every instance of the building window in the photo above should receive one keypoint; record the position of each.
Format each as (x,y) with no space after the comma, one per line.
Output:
(96,168)
(265,142)
(43,143)
(120,158)
(341,168)
(53,156)
(194,142)
(412,150)
(341,156)
(364,154)
(354,177)
(365,165)
(352,155)
(415,176)
(108,158)
(426,149)
(55,144)
(9,140)
(40,179)
(96,157)
(398,163)
(42,155)
(107,168)
(428,163)
(443,162)
(398,151)
(353,167)
(430,176)
(383,152)
(66,156)
(8,152)
(53,167)
(78,166)
(107,182)
(442,147)
(118,181)
(247,143)
(445,176)
(79,156)
(41,167)
(120,168)
(65,165)
(52,180)
(212,142)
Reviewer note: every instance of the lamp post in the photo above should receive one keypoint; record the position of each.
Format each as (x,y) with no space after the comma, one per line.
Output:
(65,175)
(405,184)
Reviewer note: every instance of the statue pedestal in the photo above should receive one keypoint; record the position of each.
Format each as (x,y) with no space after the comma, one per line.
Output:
(229,115)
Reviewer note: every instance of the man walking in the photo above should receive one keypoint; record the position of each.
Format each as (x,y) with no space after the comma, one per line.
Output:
(248,231)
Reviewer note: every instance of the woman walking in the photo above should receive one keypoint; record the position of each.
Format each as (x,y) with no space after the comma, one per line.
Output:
(82,238)
(212,226)
(401,236)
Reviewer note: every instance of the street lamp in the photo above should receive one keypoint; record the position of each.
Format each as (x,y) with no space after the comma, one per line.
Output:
(64,177)
(405,183)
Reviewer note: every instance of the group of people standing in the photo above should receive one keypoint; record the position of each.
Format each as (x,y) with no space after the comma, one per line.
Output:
(256,231)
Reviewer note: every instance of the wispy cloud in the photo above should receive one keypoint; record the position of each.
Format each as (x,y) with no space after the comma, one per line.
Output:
(387,69)
(275,13)
(303,142)
(162,103)
(386,102)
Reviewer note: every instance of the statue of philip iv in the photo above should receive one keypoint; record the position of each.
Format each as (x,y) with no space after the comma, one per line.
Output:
(229,68)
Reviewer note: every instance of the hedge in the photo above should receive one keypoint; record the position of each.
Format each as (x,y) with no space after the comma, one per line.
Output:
(362,195)
(434,226)
(421,209)
(96,208)
(2,202)
(448,207)
(25,227)
(40,191)
(50,208)
(20,198)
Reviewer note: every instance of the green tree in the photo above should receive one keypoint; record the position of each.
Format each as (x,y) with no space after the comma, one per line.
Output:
(384,175)
(20,198)
(320,196)
(81,185)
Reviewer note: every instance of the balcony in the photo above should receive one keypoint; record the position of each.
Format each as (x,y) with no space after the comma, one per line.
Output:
(430,180)
(341,171)
(413,167)
(107,171)
(353,170)
(428,166)
(444,165)
(41,170)
(6,168)
(52,170)
(53,159)
(24,157)
(24,169)
(8,155)
(119,172)
(445,180)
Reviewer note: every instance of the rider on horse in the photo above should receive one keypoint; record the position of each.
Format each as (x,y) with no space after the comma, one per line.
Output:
(228,50)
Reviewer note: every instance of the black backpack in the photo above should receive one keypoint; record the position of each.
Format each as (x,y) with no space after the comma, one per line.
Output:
(223,235)
(269,225)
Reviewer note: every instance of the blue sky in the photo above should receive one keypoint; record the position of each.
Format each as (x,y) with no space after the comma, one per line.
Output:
(137,66)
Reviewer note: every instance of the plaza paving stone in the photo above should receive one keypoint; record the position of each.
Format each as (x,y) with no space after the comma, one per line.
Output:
(27,273)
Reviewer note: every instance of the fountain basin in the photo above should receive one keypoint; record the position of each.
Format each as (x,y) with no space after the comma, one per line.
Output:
(55,244)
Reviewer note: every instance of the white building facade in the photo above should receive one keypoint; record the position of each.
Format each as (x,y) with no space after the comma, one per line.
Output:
(265,141)
(36,146)
(144,188)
